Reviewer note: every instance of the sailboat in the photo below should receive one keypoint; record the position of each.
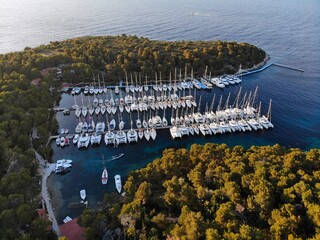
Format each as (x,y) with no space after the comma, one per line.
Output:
(153,133)
(164,120)
(132,135)
(118,183)
(104,177)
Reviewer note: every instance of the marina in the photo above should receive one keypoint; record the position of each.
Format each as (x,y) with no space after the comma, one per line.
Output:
(146,113)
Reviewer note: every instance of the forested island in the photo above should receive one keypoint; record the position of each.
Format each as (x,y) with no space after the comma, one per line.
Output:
(29,89)
(212,191)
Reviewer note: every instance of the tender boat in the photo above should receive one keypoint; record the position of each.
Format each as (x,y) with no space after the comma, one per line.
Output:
(117,179)
(104,177)
(83,194)
(115,157)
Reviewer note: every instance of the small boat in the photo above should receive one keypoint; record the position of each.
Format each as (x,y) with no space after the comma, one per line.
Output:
(62,161)
(115,157)
(117,179)
(67,219)
(58,141)
(175,132)
(76,138)
(104,177)
(116,90)
(140,133)
(153,133)
(83,194)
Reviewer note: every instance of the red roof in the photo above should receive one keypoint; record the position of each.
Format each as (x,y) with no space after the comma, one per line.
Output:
(72,230)
(42,213)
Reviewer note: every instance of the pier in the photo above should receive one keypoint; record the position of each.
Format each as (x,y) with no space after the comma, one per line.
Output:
(288,67)
(255,71)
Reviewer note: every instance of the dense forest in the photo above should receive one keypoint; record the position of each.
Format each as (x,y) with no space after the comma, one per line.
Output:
(29,88)
(215,192)
(82,57)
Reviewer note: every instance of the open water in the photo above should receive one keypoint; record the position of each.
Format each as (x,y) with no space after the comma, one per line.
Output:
(287,30)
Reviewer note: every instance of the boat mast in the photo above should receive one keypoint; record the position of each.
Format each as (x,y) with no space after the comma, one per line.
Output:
(269,111)
(212,102)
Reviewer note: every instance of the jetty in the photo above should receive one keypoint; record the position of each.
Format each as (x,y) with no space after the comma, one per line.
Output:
(288,67)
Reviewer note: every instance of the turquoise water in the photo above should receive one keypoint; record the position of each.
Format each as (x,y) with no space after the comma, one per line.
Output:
(288,30)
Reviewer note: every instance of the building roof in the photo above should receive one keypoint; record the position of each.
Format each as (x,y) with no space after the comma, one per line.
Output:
(72,230)
(42,213)
(36,81)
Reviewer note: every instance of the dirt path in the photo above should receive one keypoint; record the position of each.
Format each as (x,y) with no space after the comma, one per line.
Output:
(45,170)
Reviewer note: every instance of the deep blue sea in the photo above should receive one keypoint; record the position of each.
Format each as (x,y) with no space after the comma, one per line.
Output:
(289,31)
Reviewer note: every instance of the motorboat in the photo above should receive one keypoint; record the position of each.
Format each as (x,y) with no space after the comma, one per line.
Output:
(58,141)
(83,194)
(62,161)
(115,157)
(76,138)
(118,183)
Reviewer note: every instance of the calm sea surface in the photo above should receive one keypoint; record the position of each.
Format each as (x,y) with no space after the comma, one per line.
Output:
(288,30)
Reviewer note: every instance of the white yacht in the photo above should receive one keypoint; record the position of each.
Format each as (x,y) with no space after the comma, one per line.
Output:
(95,139)
(184,130)
(147,134)
(100,127)
(175,132)
(244,125)
(140,133)
(204,129)
(83,194)
(215,128)
(83,141)
(76,138)
(153,133)
(254,124)
(225,127)
(118,183)
(109,138)
(132,136)
(234,125)
(121,137)
(265,122)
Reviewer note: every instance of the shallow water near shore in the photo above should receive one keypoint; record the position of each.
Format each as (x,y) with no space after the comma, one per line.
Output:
(288,31)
